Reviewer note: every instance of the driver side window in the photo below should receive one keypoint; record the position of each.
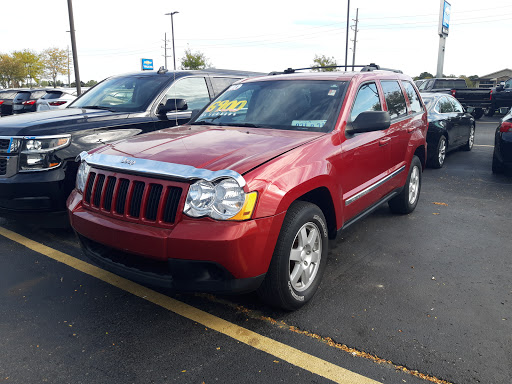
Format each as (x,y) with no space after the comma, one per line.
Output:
(192,89)
(367,99)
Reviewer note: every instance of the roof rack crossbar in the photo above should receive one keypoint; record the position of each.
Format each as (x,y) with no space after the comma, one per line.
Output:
(364,68)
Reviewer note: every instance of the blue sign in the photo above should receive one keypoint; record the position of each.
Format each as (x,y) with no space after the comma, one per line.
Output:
(147,64)
(447,10)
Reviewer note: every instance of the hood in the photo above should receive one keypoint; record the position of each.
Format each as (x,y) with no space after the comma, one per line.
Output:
(219,148)
(55,121)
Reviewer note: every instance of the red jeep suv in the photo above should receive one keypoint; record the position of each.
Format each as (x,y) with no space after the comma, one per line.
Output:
(246,195)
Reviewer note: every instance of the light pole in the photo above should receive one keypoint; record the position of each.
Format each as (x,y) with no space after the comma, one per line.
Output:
(73,47)
(172,30)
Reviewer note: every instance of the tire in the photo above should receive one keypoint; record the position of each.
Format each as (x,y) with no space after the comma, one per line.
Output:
(478,113)
(471,140)
(437,159)
(406,201)
(300,253)
(489,112)
(497,165)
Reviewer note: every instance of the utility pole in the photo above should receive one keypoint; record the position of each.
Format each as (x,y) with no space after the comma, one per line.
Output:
(355,38)
(165,49)
(346,42)
(69,72)
(73,47)
(172,31)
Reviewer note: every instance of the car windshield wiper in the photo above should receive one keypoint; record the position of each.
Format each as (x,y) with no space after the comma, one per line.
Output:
(98,107)
(248,125)
(203,123)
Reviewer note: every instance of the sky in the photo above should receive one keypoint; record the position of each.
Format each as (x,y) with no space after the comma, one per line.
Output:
(114,35)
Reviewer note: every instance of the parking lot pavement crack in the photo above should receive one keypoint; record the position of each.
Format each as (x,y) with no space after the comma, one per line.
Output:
(257,315)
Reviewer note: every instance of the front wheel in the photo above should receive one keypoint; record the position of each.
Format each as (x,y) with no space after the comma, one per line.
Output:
(406,201)
(478,113)
(299,258)
(471,139)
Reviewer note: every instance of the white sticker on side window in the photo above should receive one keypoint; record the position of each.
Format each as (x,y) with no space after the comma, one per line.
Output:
(309,123)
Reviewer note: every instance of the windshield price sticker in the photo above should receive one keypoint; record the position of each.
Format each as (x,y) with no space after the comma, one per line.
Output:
(227,106)
(309,123)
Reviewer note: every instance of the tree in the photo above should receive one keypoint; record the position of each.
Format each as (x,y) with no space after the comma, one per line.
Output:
(33,67)
(323,61)
(195,60)
(11,71)
(424,75)
(56,63)
(91,83)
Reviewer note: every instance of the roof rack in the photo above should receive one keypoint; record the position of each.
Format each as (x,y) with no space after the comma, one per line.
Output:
(364,68)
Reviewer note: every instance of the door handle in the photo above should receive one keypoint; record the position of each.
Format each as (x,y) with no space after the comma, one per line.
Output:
(384,141)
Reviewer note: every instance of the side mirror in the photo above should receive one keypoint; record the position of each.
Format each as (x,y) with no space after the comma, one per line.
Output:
(172,105)
(500,87)
(370,121)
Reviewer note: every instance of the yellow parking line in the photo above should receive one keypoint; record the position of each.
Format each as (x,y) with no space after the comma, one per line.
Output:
(279,350)
(483,145)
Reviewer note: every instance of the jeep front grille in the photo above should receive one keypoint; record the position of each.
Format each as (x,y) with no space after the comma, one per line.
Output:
(4,145)
(134,198)
(3,166)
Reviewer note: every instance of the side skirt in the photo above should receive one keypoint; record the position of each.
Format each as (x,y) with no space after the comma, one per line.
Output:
(369,210)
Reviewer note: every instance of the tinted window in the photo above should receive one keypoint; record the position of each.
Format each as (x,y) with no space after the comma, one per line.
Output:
(52,95)
(192,89)
(367,99)
(395,99)
(455,83)
(303,105)
(22,96)
(425,85)
(221,83)
(456,105)
(123,94)
(444,105)
(413,97)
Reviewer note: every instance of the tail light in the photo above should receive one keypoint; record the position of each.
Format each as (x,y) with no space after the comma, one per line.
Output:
(453,92)
(57,103)
(490,95)
(29,102)
(506,126)
(1,102)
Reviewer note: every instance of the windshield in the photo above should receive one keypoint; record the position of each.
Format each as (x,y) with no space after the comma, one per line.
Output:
(122,94)
(305,105)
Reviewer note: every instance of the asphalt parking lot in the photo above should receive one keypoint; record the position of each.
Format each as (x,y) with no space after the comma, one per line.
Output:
(405,299)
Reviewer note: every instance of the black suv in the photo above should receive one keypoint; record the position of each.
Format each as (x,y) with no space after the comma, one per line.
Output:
(38,150)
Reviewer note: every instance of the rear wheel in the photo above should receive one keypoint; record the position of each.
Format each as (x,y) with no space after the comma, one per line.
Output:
(299,258)
(406,201)
(478,113)
(489,112)
(437,160)
(471,139)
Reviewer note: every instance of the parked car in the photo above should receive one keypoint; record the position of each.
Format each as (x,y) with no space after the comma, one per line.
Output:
(476,100)
(6,101)
(55,99)
(25,101)
(449,127)
(37,150)
(246,196)
(419,82)
(501,97)
(502,155)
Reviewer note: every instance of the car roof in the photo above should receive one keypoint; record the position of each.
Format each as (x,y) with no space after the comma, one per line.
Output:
(182,73)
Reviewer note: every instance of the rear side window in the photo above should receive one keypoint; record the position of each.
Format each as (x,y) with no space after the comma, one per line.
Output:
(221,83)
(456,105)
(192,89)
(413,97)
(395,99)
(37,94)
(444,105)
(367,99)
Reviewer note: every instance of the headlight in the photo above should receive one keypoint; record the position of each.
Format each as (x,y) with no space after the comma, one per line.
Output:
(38,153)
(81,176)
(222,200)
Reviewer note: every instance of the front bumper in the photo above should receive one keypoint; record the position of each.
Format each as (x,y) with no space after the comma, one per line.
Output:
(195,255)
(36,192)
